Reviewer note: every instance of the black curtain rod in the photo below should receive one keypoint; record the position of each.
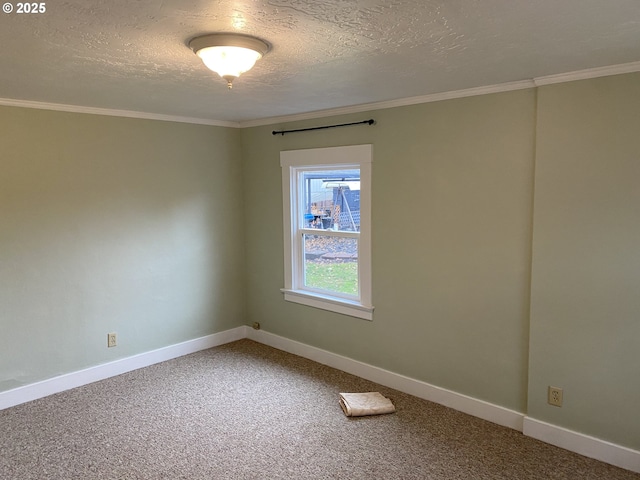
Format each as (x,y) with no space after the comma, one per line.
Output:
(282,132)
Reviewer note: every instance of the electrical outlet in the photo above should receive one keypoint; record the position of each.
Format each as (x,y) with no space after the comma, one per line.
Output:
(111,340)
(554,396)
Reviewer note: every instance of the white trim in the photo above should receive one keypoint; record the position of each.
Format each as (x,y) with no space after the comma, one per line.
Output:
(8,102)
(437,97)
(587,74)
(583,444)
(292,163)
(579,443)
(400,102)
(348,154)
(61,383)
(333,304)
(477,408)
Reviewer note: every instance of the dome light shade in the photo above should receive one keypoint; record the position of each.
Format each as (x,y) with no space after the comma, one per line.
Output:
(229,54)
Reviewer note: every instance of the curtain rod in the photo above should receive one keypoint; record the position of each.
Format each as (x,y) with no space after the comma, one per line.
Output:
(282,132)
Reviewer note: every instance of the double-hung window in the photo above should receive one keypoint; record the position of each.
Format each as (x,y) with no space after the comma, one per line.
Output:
(327,228)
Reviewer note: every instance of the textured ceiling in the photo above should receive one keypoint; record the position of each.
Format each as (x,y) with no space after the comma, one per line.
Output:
(133,55)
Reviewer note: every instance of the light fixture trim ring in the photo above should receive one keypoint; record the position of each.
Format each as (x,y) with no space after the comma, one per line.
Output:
(229,40)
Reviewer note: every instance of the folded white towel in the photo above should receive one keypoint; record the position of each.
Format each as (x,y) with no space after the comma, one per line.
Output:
(360,404)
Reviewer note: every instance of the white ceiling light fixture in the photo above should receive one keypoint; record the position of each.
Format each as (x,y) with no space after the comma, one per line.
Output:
(229,54)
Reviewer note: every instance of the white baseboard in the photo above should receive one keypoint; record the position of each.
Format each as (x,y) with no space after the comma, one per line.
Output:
(583,444)
(61,383)
(477,408)
(575,442)
(569,440)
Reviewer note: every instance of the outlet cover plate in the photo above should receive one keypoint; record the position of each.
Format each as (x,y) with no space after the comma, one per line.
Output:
(554,396)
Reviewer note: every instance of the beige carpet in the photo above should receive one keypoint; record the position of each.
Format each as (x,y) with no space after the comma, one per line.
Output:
(248,411)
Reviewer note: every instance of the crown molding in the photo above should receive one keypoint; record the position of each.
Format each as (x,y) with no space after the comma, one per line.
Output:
(400,102)
(59,107)
(587,74)
(436,97)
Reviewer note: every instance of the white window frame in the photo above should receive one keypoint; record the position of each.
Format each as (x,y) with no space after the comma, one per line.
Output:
(292,162)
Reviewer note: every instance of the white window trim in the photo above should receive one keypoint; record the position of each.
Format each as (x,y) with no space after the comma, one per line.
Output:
(357,156)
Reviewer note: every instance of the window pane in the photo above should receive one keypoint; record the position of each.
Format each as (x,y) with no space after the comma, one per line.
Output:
(331,199)
(331,264)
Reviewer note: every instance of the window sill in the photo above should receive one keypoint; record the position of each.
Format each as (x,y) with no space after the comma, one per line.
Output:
(326,302)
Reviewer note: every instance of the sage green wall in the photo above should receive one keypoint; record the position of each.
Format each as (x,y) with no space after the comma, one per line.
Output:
(113,225)
(135,226)
(452,200)
(585,313)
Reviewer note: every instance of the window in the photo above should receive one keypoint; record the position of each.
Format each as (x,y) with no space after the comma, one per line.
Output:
(327,228)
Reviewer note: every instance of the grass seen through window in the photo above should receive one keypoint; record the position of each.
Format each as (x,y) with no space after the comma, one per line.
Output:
(333,276)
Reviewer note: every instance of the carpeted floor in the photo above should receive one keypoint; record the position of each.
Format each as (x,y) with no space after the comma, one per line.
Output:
(247,411)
